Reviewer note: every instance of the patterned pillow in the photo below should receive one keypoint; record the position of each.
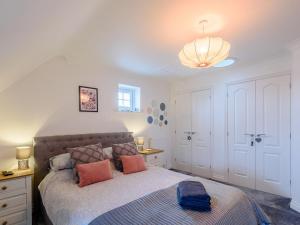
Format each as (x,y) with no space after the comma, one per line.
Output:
(87,154)
(123,149)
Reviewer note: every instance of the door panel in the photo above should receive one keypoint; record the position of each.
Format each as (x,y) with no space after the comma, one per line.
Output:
(273,121)
(201,128)
(241,123)
(182,155)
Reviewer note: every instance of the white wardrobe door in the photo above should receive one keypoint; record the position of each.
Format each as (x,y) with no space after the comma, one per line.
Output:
(201,128)
(273,122)
(241,123)
(182,156)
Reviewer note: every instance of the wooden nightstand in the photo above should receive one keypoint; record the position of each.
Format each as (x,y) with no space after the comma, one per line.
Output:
(153,157)
(16,198)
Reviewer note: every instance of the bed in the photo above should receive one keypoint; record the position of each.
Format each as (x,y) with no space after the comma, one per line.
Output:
(147,197)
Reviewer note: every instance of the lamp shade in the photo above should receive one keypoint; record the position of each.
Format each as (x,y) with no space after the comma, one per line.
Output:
(140,141)
(204,52)
(23,152)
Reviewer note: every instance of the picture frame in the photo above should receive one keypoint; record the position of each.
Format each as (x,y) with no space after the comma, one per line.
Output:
(88,99)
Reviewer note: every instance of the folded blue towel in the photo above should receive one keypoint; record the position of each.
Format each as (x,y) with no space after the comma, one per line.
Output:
(192,195)
(192,190)
(193,205)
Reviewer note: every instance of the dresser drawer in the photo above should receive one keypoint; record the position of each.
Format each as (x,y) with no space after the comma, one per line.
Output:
(12,204)
(14,219)
(12,187)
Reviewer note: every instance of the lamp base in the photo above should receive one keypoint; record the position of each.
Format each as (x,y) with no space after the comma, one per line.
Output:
(23,164)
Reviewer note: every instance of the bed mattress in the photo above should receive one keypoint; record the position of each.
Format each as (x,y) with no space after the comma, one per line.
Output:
(68,204)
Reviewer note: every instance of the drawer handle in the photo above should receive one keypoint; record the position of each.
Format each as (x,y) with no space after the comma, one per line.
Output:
(5,223)
(4,188)
(155,157)
(4,205)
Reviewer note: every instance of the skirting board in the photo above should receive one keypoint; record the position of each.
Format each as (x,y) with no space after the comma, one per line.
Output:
(295,205)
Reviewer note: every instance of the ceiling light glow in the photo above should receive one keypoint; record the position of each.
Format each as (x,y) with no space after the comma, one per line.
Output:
(225,62)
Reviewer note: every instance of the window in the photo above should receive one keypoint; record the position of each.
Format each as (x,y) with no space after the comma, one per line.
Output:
(128,98)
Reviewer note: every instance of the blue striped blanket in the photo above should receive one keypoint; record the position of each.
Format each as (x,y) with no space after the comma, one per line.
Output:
(161,208)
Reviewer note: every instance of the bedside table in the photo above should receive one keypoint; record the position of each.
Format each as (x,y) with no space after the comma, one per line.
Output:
(153,157)
(16,198)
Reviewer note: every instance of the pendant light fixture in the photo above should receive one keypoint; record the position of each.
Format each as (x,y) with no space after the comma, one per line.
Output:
(204,52)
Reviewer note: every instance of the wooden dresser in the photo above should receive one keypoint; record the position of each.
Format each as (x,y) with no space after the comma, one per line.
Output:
(153,157)
(16,198)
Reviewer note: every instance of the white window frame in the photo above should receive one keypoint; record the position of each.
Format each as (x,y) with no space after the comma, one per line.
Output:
(134,99)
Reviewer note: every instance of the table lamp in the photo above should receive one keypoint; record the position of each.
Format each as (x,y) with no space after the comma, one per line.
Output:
(140,143)
(22,155)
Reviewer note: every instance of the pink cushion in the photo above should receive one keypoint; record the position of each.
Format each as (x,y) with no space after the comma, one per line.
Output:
(133,163)
(94,172)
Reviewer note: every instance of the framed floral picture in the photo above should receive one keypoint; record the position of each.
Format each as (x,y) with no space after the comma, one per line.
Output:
(88,99)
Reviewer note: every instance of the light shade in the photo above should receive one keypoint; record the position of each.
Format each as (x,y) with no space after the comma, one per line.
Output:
(140,141)
(204,52)
(23,152)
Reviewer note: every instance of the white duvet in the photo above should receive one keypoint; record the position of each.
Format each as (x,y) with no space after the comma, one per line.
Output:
(68,204)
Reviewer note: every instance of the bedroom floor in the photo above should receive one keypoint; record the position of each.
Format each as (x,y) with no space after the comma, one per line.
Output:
(276,207)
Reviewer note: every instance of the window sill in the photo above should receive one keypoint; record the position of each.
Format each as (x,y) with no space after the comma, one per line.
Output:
(120,111)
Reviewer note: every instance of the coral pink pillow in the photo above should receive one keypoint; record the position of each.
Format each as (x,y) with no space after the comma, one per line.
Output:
(133,163)
(94,172)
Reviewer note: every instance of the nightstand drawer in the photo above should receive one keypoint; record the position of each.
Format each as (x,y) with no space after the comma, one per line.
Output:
(13,204)
(13,219)
(12,187)
(153,158)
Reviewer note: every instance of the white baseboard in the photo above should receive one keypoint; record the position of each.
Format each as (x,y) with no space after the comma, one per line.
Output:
(295,205)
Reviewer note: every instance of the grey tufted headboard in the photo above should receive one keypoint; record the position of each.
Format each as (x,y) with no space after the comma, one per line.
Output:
(46,147)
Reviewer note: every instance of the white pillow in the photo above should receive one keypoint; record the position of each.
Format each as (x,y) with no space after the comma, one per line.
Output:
(60,162)
(108,153)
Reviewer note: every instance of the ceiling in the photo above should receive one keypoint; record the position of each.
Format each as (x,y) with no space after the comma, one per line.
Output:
(32,31)
(140,36)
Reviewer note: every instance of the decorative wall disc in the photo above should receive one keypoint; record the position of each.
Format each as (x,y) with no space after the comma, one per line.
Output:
(150,119)
(154,103)
(157,114)
(149,110)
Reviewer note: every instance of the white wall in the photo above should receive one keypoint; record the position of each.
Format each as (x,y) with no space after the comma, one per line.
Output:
(217,80)
(295,154)
(45,102)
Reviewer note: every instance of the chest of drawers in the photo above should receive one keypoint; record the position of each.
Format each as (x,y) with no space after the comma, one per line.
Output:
(15,200)
(153,157)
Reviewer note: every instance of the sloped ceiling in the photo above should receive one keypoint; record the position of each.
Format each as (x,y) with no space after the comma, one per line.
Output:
(141,36)
(32,31)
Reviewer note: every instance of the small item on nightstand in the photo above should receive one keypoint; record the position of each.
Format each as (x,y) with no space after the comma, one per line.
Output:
(7,173)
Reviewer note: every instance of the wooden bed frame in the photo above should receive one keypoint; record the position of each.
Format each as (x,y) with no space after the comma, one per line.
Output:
(47,147)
